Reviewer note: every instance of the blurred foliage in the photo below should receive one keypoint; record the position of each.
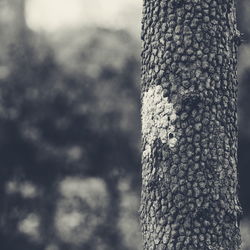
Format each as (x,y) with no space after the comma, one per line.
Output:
(69,127)
(70,136)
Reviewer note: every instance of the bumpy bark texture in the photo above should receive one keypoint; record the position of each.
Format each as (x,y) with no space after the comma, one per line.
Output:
(189,125)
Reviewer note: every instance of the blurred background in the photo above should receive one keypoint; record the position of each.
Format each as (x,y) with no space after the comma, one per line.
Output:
(70,124)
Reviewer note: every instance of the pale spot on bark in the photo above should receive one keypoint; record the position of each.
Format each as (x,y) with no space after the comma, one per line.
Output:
(158,115)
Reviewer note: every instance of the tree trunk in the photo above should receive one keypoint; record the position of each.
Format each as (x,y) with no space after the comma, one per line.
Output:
(189,125)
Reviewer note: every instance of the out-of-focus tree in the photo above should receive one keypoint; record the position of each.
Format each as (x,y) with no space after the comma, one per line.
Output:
(244,97)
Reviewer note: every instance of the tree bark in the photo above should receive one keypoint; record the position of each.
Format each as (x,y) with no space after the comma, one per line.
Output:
(189,125)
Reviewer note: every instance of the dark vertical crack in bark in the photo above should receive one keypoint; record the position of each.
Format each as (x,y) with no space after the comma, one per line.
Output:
(189,125)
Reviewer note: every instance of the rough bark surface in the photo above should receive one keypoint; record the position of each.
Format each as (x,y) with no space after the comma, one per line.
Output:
(189,125)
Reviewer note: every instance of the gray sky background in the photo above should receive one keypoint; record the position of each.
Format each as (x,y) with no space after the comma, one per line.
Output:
(56,15)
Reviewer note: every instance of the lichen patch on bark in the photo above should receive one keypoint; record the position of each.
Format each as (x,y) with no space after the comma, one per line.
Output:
(158,117)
